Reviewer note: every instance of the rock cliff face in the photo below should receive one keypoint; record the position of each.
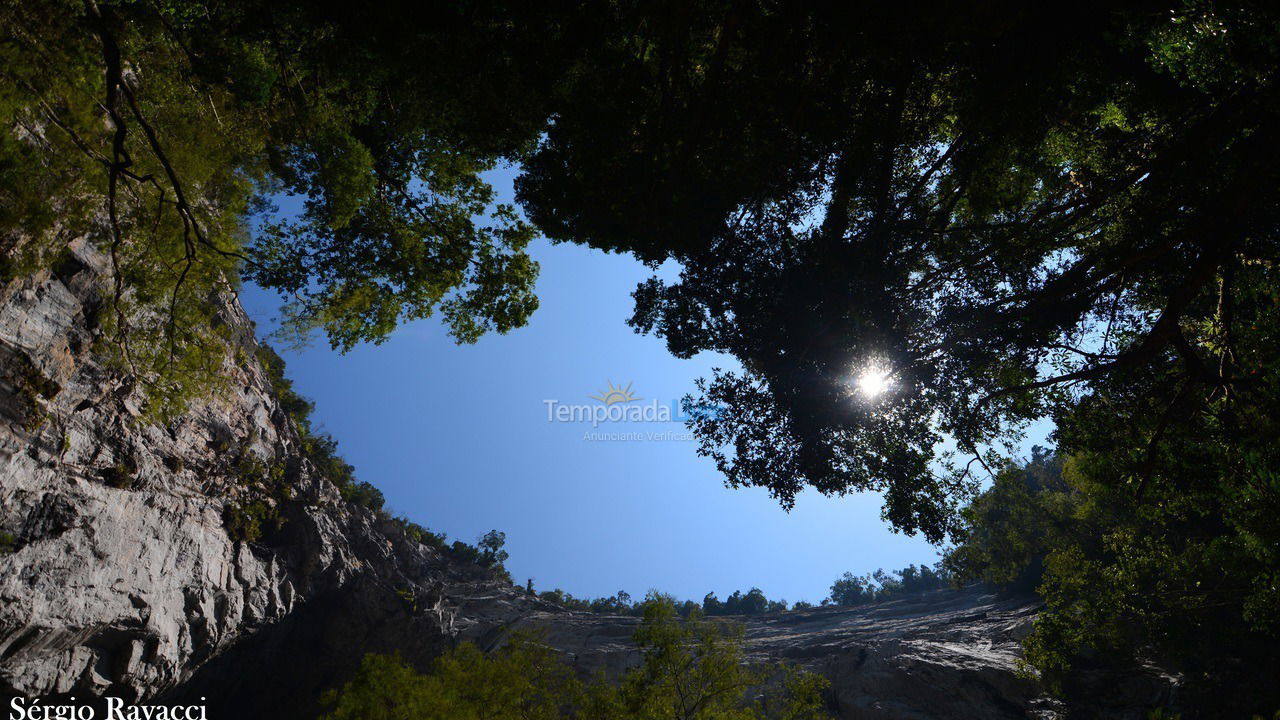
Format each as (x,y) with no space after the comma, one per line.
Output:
(118,575)
(121,577)
(944,654)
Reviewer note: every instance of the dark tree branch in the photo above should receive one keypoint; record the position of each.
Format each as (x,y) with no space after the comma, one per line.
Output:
(1162,426)
(1162,333)
(120,160)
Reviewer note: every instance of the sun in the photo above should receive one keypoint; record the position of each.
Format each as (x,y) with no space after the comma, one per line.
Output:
(873,382)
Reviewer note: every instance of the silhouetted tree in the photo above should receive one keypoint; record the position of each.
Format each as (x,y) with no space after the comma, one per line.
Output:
(998,208)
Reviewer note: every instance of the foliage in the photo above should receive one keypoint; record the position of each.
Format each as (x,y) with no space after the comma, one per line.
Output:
(1000,207)
(82,156)
(524,679)
(253,471)
(160,130)
(692,669)
(850,589)
(488,554)
(121,475)
(485,558)
(695,669)
(1181,575)
(752,602)
(419,534)
(1008,529)
(8,543)
(618,604)
(249,521)
(363,494)
(491,546)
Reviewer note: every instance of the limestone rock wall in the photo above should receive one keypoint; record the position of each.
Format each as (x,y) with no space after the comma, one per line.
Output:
(120,576)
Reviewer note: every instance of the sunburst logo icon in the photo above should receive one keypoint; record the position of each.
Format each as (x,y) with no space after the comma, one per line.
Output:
(614,395)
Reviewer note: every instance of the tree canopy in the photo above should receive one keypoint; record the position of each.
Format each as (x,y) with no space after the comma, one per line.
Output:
(166,132)
(995,209)
(998,207)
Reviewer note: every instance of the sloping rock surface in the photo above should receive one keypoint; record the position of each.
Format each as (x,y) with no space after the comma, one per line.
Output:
(941,654)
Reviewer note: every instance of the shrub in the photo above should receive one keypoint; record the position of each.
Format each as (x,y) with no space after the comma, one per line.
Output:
(247,522)
(363,494)
(420,534)
(120,475)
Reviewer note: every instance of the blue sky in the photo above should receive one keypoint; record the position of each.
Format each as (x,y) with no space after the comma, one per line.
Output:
(457,438)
